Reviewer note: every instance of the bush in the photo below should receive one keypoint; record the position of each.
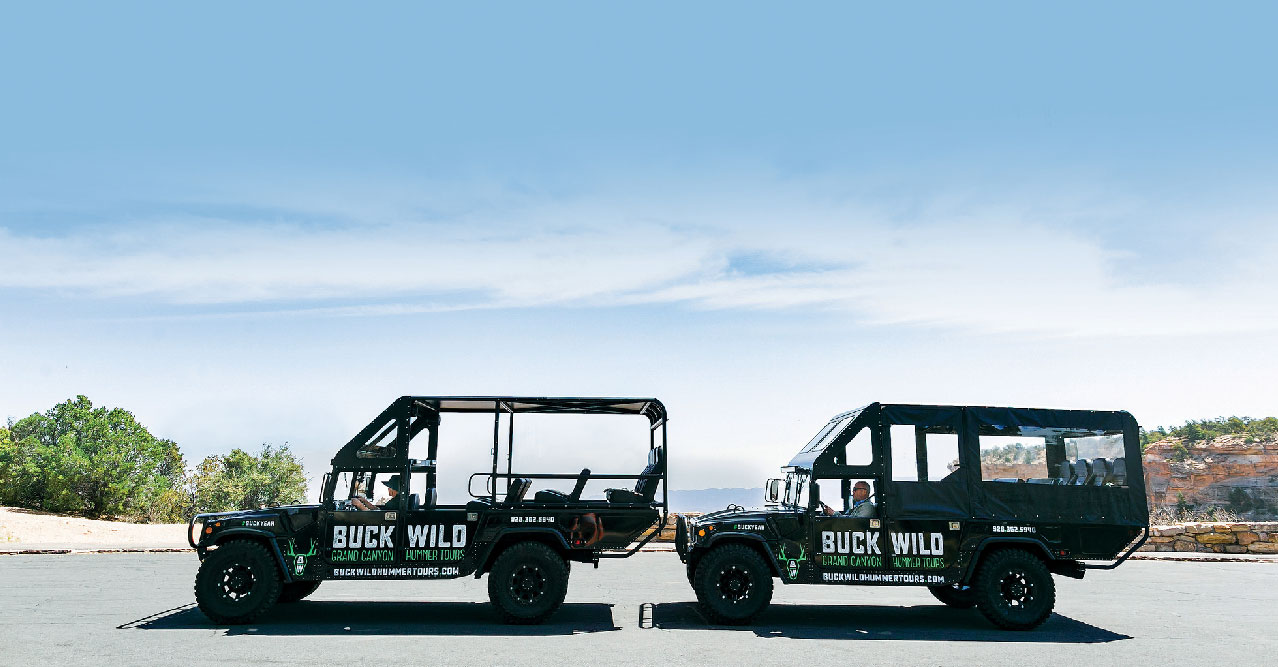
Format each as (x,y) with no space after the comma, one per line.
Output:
(240,480)
(79,459)
(1206,429)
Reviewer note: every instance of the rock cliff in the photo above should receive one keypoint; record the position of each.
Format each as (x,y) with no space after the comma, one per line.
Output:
(1228,472)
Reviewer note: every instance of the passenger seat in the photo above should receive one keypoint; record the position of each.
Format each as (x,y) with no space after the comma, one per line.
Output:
(1119,478)
(646,488)
(518,489)
(1100,472)
(1082,472)
(553,496)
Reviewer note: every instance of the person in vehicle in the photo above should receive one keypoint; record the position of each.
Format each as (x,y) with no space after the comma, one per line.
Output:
(861,508)
(393,502)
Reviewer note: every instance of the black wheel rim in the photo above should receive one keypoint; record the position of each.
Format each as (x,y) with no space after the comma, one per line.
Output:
(1017,589)
(236,582)
(527,584)
(734,584)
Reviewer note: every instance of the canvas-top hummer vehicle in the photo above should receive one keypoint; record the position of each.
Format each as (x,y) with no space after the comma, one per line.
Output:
(524,542)
(980,504)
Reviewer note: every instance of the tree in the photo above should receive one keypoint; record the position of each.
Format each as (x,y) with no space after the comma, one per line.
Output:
(240,480)
(84,460)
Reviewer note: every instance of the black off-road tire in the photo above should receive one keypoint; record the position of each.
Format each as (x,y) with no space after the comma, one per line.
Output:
(957,598)
(733,584)
(297,590)
(237,583)
(1014,590)
(528,582)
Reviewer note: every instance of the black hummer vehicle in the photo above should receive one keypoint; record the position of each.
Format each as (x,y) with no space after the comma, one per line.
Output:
(252,559)
(982,505)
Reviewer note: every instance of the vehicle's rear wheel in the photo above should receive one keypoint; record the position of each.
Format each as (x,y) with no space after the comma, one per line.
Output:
(958,597)
(237,582)
(292,592)
(528,582)
(1014,590)
(733,584)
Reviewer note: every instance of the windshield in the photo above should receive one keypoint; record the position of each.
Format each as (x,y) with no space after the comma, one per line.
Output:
(794,490)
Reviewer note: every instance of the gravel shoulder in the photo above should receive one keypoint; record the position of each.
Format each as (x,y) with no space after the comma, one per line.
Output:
(23,529)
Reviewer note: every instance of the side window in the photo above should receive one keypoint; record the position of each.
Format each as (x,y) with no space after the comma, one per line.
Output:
(1012,458)
(1055,456)
(939,453)
(380,446)
(859,451)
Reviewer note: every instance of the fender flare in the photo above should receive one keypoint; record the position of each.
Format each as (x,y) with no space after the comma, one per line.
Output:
(482,558)
(1037,546)
(269,538)
(769,557)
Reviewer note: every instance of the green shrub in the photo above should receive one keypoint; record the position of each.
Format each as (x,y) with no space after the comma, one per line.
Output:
(79,459)
(240,480)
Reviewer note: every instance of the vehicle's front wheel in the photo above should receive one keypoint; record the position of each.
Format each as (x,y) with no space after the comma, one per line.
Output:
(297,590)
(528,582)
(733,584)
(958,597)
(1014,590)
(237,583)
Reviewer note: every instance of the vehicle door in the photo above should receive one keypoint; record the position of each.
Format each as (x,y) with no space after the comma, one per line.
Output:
(361,543)
(847,547)
(926,499)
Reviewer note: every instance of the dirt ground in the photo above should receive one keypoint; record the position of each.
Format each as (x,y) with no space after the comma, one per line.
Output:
(27,529)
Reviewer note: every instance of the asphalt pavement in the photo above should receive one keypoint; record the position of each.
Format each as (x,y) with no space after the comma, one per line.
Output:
(138,608)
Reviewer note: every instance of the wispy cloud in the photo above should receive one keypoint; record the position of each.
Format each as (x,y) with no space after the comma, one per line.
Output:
(994,272)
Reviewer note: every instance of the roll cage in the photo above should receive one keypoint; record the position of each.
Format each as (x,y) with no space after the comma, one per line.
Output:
(382,445)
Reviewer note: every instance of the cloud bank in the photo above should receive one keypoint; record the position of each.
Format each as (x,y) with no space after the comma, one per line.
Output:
(998,272)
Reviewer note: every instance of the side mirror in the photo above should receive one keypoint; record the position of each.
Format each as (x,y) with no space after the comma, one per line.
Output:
(772,492)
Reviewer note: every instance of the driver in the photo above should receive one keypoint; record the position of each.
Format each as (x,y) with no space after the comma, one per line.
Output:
(861,506)
(392,502)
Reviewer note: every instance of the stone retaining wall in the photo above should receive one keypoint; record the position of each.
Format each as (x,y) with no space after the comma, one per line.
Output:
(668,535)
(1221,538)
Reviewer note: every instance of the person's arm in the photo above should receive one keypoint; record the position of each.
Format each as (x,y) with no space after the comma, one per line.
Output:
(362,503)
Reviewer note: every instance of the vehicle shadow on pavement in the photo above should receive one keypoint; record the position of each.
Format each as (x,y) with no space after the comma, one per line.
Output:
(320,617)
(924,623)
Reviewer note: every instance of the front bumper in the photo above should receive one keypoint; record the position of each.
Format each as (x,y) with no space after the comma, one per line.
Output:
(681,538)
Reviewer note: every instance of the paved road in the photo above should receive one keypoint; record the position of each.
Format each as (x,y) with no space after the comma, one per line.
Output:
(118,609)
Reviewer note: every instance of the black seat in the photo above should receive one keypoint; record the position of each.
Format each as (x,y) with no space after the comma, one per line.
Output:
(1082,471)
(646,488)
(430,499)
(412,503)
(1100,472)
(1066,474)
(553,496)
(518,489)
(1120,472)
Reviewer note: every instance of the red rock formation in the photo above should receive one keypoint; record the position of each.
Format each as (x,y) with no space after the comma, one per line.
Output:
(1226,472)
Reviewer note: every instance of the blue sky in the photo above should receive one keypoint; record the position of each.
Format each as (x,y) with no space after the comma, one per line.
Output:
(251,223)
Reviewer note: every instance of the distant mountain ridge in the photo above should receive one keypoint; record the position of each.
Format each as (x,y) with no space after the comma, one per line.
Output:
(709,500)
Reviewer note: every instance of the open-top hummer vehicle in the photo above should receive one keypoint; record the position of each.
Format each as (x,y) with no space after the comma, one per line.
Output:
(980,504)
(252,559)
